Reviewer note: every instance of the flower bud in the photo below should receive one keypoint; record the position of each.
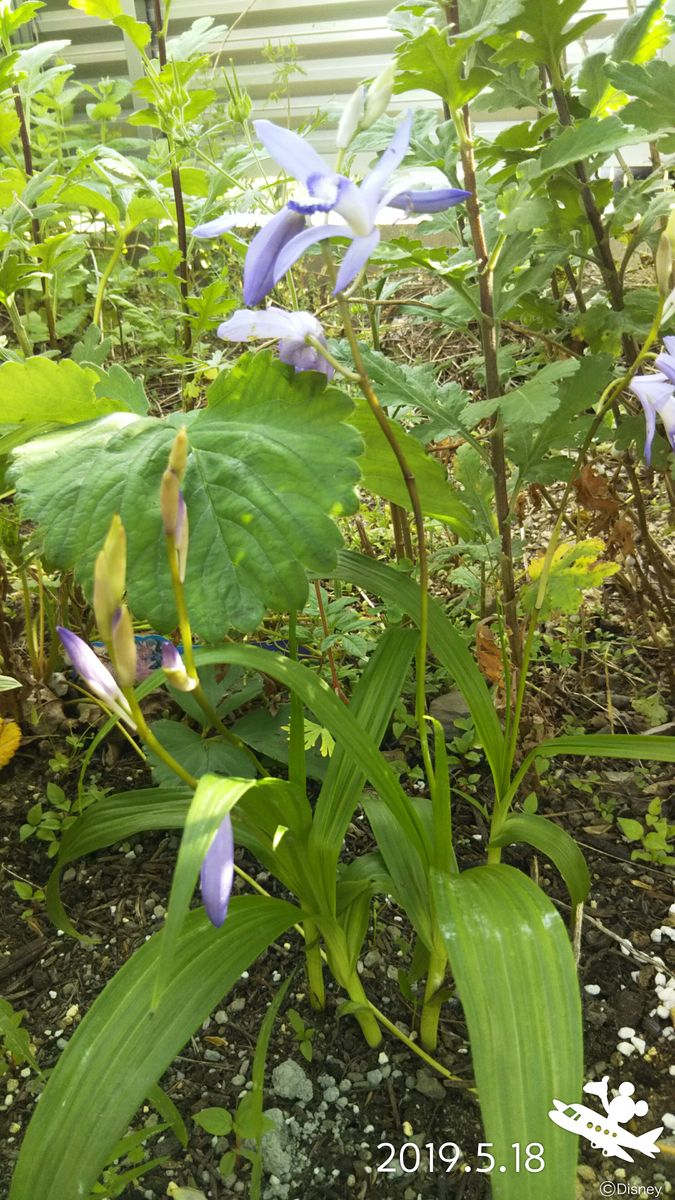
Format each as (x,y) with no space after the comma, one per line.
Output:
(664,264)
(181,537)
(123,645)
(350,121)
(239,107)
(110,577)
(670,229)
(174,669)
(379,95)
(169,494)
(179,453)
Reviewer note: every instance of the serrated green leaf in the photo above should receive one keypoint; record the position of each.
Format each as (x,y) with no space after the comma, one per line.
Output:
(575,569)
(531,403)
(88,1111)
(431,62)
(546,24)
(271,464)
(45,390)
(196,754)
(553,841)
(505,939)
(382,474)
(654,86)
(593,135)
(137,31)
(82,196)
(118,386)
(400,385)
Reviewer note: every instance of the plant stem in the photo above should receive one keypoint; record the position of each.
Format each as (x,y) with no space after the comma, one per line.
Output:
(433,996)
(314,967)
(176,185)
(493,389)
(103,281)
(326,633)
(154,744)
(18,326)
(413,492)
(27,151)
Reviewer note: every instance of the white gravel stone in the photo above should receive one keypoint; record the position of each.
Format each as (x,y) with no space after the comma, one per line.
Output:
(668,1119)
(625,1033)
(593,989)
(626,1048)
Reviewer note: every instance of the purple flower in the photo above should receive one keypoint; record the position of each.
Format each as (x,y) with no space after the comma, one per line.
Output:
(291,328)
(217,873)
(95,675)
(656,394)
(174,669)
(665,363)
(282,241)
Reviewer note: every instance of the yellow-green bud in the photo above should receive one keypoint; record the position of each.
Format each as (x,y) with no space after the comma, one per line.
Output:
(169,495)
(110,573)
(379,95)
(670,229)
(350,121)
(179,453)
(664,264)
(123,647)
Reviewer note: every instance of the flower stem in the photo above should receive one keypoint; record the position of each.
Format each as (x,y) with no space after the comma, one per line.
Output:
(418,516)
(103,281)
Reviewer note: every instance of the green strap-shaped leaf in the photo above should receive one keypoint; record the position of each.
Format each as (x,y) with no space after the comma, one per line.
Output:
(122,1048)
(409,876)
(555,843)
(345,728)
(371,704)
(213,799)
(444,640)
(113,819)
(516,979)
(639,746)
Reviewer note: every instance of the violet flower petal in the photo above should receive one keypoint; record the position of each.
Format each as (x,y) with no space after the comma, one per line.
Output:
(292,152)
(432,200)
(219,225)
(655,393)
(272,322)
(217,873)
(665,363)
(259,273)
(355,259)
(95,675)
(298,354)
(371,188)
(292,250)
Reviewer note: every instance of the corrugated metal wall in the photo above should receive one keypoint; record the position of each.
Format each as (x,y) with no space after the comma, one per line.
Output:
(338,44)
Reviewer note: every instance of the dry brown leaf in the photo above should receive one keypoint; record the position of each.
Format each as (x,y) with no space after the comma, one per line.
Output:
(10,739)
(489,655)
(593,492)
(621,537)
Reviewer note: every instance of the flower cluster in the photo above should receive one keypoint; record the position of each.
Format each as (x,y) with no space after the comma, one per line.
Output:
(656,394)
(290,232)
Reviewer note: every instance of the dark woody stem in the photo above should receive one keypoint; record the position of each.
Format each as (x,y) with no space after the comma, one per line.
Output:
(181,226)
(27,151)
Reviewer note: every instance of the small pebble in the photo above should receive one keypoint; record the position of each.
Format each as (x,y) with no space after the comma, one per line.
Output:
(592,989)
(626,1032)
(626,1049)
(668,1119)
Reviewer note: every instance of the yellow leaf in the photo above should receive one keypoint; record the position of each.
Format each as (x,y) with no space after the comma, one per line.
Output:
(10,737)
